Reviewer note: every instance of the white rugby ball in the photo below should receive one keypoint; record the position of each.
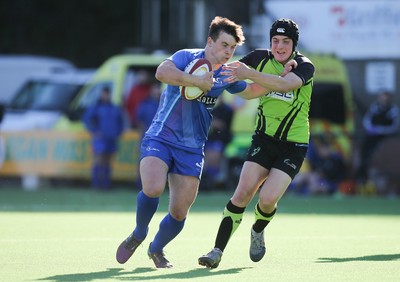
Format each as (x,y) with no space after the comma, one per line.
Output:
(196,67)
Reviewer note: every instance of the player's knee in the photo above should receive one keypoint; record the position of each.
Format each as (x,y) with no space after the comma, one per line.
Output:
(152,192)
(268,202)
(178,215)
(242,197)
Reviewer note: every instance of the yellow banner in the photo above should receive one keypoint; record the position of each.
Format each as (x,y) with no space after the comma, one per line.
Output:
(63,154)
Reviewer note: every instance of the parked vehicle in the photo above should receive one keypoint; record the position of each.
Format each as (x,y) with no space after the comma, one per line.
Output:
(16,69)
(42,99)
(118,73)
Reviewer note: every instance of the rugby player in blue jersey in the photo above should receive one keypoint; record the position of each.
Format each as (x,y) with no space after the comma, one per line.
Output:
(172,149)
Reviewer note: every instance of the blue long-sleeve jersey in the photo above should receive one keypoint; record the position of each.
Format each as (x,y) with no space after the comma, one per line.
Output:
(185,123)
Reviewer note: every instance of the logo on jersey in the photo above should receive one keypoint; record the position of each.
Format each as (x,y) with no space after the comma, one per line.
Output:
(152,149)
(288,97)
(207,100)
(217,80)
(289,163)
(255,151)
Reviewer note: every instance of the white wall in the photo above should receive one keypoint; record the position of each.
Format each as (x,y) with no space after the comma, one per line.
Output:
(354,29)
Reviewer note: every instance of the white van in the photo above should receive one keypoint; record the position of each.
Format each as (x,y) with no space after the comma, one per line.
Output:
(44,97)
(16,69)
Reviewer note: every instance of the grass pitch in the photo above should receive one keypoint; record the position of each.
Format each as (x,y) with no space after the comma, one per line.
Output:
(72,235)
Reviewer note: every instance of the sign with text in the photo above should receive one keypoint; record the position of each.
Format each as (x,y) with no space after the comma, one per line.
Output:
(63,154)
(350,29)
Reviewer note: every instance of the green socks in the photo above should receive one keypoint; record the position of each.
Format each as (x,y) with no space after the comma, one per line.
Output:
(262,219)
(231,219)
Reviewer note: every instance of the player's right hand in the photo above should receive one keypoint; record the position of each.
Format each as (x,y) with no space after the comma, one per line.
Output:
(206,81)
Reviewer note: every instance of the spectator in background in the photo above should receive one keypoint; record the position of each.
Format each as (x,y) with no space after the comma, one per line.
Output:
(380,122)
(219,137)
(139,92)
(105,123)
(323,170)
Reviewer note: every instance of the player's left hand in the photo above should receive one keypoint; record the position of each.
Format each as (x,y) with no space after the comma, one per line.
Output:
(292,64)
(235,71)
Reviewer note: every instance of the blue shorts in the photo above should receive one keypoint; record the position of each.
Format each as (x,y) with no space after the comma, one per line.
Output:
(104,146)
(178,160)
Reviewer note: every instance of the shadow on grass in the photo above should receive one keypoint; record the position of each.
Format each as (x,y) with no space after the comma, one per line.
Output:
(140,274)
(388,257)
(109,273)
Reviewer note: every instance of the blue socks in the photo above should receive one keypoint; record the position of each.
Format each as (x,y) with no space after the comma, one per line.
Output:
(101,176)
(169,229)
(95,176)
(146,208)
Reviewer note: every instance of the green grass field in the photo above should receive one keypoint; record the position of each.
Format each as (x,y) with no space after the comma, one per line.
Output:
(65,234)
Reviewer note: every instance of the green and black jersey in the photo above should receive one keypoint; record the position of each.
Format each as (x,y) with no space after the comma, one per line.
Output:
(283,116)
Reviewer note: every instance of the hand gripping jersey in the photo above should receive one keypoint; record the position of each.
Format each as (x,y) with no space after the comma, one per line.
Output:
(183,123)
(283,116)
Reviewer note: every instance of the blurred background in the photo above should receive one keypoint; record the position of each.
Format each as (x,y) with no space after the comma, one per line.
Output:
(57,56)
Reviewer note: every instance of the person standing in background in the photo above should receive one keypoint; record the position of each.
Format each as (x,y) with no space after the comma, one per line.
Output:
(147,109)
(139,92)
(105,122)
(381,121)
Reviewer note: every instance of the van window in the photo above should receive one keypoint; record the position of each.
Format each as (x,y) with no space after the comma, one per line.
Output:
(44,95)
(93,94)
(327,103)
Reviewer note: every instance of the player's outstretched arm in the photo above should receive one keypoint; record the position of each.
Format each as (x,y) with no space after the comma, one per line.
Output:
(254,90)
(239,71)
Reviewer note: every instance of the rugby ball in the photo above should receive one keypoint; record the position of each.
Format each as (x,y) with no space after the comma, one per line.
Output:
(196,67)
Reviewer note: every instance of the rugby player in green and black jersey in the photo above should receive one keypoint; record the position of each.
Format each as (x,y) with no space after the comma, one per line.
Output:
(280,140)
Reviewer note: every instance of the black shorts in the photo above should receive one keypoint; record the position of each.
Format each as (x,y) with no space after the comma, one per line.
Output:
(272,153)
